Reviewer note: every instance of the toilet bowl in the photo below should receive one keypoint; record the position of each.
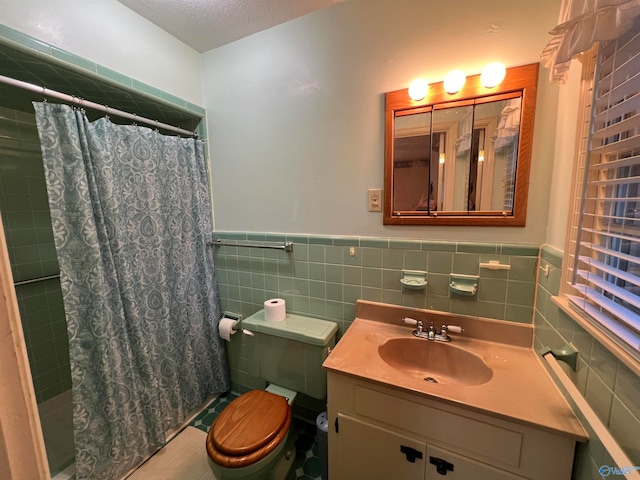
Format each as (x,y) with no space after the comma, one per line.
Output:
(253,438)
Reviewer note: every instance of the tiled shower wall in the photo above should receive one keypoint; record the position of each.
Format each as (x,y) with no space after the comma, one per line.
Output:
(27,224)
(610,388)
(323,278)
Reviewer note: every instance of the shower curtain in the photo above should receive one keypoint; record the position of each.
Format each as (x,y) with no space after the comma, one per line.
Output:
(132,224)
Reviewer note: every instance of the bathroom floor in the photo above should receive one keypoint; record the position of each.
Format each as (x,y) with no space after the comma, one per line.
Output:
(306,465)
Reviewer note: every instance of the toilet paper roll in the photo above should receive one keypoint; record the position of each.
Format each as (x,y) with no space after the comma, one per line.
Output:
(226,328)
(275,310)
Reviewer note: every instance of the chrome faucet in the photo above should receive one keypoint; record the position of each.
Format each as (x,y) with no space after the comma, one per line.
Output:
(431,334)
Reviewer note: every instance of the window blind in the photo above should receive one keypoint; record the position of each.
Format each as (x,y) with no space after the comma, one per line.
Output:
(605,275)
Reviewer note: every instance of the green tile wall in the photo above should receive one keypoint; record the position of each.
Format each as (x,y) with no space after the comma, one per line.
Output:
(321,279)
(610,388)
(45,332)
(27,224)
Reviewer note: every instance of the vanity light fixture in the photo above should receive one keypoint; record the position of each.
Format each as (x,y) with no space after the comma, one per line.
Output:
(418,89)
(441,159)
(493,74)
(454,81)
(481,156)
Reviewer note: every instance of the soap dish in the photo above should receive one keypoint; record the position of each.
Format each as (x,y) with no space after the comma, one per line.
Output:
(414,279)
(466,285)
(413,282)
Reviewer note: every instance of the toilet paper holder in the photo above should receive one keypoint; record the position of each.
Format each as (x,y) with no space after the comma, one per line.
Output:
(228,325)
(238,319)
(233,316)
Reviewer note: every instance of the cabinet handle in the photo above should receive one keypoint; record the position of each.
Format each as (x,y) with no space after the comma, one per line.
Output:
(442,466)
(411,453)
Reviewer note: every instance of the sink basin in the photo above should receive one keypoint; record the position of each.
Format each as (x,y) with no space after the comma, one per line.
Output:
(435,362)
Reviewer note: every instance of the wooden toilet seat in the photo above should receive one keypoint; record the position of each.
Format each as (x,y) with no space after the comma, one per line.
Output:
(248,429)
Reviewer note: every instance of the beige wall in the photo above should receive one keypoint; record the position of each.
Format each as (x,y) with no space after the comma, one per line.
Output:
(295,113)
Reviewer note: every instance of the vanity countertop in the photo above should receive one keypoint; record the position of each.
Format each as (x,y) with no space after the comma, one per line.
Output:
(519,390)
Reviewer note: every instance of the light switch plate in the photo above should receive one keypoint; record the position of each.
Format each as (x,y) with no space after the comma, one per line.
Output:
(374,202)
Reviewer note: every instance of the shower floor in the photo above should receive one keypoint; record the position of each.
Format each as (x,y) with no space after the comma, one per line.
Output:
(305,467)
(57,429)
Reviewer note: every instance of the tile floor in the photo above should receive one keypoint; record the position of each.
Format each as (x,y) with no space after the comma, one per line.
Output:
(306,465)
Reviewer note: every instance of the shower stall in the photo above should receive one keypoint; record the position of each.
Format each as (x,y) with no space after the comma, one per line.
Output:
(27,224)
(25,214)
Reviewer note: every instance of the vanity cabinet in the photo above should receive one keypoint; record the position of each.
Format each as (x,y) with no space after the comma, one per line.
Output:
(364,450)
(379,432)
(386,454)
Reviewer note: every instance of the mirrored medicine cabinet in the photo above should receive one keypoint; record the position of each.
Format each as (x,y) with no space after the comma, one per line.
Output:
(462,158)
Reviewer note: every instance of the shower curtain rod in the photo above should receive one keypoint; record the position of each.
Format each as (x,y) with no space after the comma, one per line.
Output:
(96,106)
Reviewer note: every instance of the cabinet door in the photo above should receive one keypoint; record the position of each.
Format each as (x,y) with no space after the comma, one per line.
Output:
(445,465)
(370,452)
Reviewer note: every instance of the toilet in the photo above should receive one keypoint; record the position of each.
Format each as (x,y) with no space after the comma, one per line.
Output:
(253,438)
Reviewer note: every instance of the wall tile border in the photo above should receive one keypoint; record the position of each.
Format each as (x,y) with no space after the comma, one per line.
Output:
(526,250)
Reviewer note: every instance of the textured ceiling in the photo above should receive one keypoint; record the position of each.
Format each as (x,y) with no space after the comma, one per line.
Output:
(207,24)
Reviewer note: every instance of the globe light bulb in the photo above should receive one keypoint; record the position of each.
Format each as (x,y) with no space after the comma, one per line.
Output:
(454,81)
(493,74)
(418,89)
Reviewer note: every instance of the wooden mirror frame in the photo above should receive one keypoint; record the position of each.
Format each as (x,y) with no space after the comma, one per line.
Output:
(522,79)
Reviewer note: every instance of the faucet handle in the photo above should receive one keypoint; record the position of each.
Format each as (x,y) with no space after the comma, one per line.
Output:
(411,321)
(452,328)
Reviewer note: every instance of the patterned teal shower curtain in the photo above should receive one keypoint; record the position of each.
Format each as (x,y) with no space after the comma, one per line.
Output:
(132,223)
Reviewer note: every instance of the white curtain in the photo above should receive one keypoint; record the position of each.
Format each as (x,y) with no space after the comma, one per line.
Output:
(582,23)
(509,126)
(463,142)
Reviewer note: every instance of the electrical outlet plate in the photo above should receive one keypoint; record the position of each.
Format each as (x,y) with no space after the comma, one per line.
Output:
(374,200)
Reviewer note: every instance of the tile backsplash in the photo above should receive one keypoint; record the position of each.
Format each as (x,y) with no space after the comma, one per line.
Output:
(324,276)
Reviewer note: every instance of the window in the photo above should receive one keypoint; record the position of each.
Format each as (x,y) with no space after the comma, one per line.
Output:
(603,276)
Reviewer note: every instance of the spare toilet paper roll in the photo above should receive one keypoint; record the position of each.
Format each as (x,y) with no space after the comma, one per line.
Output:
(226,328)
(275,310)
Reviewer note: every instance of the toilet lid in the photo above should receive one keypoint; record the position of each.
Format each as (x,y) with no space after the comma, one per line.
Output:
(249,422)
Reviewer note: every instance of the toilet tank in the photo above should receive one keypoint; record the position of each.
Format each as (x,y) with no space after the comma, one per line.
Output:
(290,353)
